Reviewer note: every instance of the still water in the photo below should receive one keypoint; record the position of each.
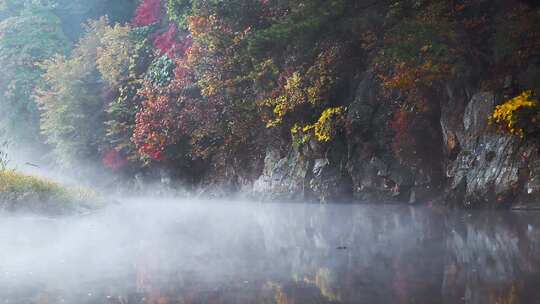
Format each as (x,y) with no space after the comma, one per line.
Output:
(240,252)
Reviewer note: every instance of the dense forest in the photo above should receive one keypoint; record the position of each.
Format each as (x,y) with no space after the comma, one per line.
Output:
(409,101)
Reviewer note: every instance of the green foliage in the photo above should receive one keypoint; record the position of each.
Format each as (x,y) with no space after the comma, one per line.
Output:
(25,41)
(179,11)
(121,118)
(71,102)
(18,7)
(122,110)
(160,71)
(303,24)
(272,63)
(421,47)
(234,68)
(90,100)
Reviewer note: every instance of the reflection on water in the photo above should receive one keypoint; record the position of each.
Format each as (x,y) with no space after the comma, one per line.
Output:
(224,252)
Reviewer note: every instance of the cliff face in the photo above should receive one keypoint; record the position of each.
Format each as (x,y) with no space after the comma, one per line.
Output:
(480,167)
(491,168)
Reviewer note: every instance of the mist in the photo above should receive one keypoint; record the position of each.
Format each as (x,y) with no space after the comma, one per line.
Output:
(177,251)
(288,152)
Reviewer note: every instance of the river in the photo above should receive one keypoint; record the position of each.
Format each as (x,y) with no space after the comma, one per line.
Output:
(195,251)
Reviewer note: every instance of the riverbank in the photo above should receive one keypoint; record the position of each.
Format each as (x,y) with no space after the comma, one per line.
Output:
(30,194)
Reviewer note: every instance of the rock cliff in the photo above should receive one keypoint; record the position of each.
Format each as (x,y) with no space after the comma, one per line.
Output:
(482,167)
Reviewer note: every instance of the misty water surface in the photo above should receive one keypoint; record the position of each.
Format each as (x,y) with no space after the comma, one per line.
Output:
(148,251)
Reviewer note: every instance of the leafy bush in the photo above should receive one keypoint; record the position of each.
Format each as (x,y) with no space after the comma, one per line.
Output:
(519,115)
(325,127)
(324,130)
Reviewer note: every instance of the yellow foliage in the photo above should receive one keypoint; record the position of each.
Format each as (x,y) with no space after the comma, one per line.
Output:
(507,114)
(293,96)
(115,53)
(325,126)
(312,87)
(324,129)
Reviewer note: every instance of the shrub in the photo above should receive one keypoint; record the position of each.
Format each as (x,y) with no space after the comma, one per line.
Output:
(324,130)
(26,193)
(312,89)
(325,127)
(519,115)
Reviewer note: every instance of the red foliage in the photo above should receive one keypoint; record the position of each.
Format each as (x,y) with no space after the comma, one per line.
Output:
(148,12)
(154,124)
(167,115)
(168,43)
(114,160)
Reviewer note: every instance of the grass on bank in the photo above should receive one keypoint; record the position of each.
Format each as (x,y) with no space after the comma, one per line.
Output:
(22,192)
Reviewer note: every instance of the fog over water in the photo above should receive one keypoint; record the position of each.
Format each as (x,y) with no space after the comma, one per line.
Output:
(194,251)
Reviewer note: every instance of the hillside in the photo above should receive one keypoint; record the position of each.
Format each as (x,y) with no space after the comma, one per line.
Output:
(400,101)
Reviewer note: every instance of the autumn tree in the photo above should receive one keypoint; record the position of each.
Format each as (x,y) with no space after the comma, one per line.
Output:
(25,40)
(71,98)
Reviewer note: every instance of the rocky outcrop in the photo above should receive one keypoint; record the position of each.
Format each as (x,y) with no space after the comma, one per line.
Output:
(376,175)
(361,166)
(299,176)
(483,167)
(330,180)
(491,168)
(283,177)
